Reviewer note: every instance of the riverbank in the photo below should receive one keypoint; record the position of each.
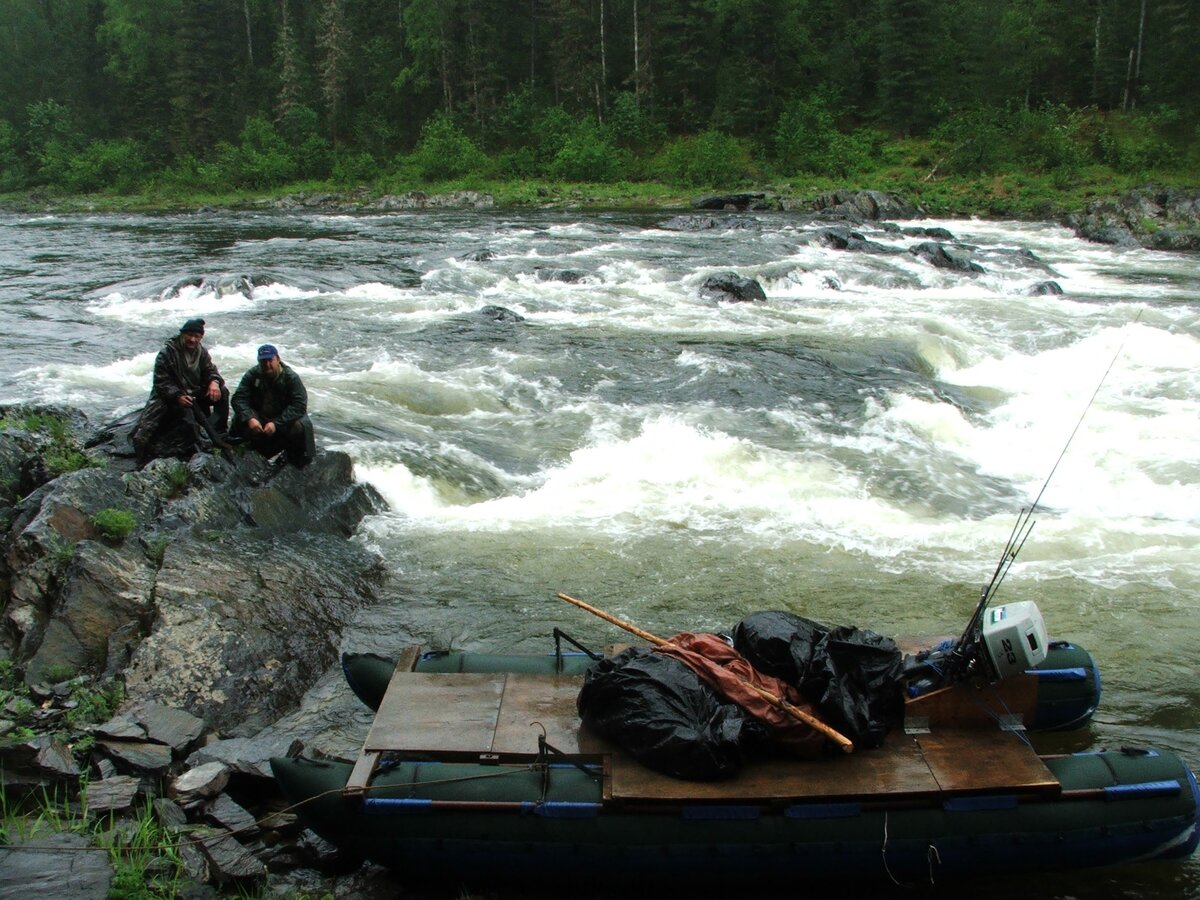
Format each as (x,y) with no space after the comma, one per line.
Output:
(1014,195)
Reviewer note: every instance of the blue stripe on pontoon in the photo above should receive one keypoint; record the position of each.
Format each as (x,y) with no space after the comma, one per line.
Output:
(980,804)
(1074,674)
(1144,789)
(823,811)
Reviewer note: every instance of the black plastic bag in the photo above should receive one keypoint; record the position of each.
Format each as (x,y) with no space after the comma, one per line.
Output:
(661,713)
(852,676)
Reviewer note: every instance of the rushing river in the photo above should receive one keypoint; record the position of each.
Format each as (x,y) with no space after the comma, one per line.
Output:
(855,449)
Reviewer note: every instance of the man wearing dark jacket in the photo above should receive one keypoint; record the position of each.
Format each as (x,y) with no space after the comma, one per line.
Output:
(189,403)
(270,410)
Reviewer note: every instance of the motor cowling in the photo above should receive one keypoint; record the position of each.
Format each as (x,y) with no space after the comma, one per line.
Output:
(1014,636)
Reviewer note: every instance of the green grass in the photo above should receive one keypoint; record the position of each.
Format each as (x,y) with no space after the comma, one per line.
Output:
(114,524)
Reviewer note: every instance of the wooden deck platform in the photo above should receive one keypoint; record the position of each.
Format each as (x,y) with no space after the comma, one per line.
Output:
(498,717)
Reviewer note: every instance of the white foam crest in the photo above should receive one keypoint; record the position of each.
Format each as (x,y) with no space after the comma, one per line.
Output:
(188,303)
(1136,453)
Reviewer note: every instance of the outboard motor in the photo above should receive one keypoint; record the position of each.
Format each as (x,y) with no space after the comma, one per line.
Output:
(1014,636)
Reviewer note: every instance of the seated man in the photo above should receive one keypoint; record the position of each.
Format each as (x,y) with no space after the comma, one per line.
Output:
(270,410)
(189,403)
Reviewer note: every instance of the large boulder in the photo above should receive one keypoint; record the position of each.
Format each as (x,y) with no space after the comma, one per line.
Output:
(246,623)
(224,589)
(1153,217)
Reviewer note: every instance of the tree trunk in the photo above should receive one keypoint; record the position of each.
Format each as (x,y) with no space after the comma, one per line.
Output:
(249,40)
(1137,65)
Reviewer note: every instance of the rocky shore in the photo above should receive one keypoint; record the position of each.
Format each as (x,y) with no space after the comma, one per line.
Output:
(156,624)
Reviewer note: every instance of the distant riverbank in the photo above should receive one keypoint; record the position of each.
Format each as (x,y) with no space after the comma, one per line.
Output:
(1021,196)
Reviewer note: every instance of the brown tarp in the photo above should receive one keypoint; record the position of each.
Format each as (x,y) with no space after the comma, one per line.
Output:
(730,674)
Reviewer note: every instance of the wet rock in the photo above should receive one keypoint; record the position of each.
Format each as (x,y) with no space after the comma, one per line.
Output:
(709,223)
(247,756)
(54,865)
(1154,217)
(858,205)
(1044,288)
(482,255)
(122,727)
(740,202)
(731,287)
(103,589)
(566,276)
(199,784)
(167,725)
(244,628)
(500,314)
(842,238)
(943,256)
(141,756)
(41,755)
(168,813)
(230,815)
(114,794)
(228,860)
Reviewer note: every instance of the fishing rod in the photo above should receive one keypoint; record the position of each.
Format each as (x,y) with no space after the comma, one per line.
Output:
(966,650)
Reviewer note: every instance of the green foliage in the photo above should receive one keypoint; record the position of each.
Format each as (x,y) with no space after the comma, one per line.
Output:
(93,705)
(13,174)
(114,524)
(354,168)
(551,129)
(1132,144)
(444,151)
(631,126)
(146,862)
(710,159)
(587,155)
(262,159)
(985,140)
(116,164)
(310,150)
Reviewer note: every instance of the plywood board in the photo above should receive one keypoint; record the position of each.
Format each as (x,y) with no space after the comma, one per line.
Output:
(429,712)
(970,761)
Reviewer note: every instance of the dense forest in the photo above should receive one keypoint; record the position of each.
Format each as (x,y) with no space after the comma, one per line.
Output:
(115,95)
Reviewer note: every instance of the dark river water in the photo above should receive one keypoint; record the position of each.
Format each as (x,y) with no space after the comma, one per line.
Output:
(854,449)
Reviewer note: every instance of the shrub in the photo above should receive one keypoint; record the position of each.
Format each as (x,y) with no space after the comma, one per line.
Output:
(630,126)
(587,155)
(805,135)
(710,159)
(550,132)
(354,168)
(445,152)
(119,165)
(261,160)
(114,524)
(12,166)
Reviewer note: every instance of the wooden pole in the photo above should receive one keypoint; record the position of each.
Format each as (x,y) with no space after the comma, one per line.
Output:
(791,709)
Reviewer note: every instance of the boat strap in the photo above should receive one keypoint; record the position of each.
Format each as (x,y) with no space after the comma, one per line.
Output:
(559,637)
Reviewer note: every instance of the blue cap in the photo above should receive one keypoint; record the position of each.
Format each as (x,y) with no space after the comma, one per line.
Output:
(267,351)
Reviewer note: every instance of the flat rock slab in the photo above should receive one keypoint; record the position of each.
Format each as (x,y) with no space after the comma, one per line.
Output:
(112,794)
(168,725)
(140,755)
(54,865)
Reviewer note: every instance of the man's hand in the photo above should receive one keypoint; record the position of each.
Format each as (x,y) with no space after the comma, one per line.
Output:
(269,429)
(214,391)
(184,399)
(255,426)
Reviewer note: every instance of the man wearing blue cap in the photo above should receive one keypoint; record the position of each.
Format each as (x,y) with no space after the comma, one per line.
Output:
(270,410)
(189,403)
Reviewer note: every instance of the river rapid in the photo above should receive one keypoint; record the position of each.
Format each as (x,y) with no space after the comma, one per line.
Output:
(855,449)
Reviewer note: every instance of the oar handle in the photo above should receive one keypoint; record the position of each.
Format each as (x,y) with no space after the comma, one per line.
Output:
(794,711)
(620,623)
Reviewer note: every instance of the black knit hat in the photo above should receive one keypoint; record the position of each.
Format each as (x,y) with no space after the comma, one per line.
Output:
(192,326)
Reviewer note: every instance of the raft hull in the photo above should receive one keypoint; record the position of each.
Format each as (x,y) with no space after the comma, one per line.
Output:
(532,822)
